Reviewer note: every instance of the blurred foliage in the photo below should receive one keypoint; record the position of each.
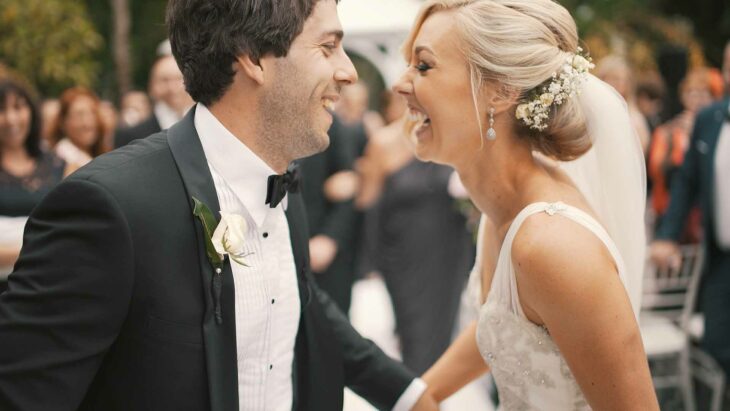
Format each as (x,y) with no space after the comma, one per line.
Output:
(146,33)
(641,29)
(58,43)
(51,42)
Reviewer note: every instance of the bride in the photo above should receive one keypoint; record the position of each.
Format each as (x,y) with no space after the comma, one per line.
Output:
(500,90)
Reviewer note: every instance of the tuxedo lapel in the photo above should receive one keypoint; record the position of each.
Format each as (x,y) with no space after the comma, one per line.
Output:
(317,356)
(296,217)
(219,339)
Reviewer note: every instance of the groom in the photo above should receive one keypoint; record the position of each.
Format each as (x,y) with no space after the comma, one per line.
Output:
(118,301)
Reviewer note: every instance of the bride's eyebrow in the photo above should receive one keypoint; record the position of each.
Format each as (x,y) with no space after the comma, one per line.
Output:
(421,48)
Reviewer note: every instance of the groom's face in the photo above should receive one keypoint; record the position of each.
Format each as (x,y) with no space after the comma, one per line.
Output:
(303,86)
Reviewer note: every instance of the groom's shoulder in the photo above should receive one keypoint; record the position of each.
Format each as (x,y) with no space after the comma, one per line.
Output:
(136,163)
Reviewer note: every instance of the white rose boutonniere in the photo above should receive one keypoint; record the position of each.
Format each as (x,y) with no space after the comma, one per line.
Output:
(224,238)
(229,237)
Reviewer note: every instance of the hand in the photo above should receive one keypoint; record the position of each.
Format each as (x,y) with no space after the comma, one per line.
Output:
(342,186)
(426,403)
(322,250)
(665,254)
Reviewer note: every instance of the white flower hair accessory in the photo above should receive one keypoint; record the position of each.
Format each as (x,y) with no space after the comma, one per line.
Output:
(535,111)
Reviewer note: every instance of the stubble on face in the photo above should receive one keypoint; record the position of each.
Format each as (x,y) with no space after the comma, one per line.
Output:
(288,126)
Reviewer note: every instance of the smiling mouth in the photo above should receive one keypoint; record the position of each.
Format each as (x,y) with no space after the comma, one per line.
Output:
(329,104)
(418,117)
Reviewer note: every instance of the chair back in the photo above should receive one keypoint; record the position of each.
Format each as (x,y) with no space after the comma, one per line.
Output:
(672,293)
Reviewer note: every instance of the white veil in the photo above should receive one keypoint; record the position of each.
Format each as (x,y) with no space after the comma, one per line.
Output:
(612,176)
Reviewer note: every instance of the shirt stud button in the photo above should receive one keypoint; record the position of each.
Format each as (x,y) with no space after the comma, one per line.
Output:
(266,235)
(271,366)
(273,300)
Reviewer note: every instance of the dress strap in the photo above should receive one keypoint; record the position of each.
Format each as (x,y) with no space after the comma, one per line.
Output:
(504,284)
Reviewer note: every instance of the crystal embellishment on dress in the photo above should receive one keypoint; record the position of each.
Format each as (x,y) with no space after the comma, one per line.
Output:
(553,208)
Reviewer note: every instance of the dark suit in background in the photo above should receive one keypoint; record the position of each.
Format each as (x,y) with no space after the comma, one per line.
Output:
(147,127)
(695,182)
(339,221)
(110,306)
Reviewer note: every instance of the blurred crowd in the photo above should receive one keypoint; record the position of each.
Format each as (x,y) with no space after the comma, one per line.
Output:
(374,209)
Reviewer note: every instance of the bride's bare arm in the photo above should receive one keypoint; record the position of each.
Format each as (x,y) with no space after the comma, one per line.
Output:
(459,365)
(567,280)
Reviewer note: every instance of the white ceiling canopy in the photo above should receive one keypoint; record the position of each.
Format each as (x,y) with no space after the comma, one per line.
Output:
(377,16)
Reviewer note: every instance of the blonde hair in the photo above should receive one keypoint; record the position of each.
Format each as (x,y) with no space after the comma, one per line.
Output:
(517,45)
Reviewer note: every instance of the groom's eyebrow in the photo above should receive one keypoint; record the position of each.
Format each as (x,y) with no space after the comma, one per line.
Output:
(339,34)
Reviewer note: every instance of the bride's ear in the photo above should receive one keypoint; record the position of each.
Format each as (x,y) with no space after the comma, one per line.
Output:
(500,97)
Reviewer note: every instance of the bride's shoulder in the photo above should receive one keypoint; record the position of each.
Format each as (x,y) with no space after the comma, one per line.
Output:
(551,249)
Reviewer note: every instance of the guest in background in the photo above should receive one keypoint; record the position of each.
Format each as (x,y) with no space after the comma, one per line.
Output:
(418,241)
(135,108)
(49,114)
(703,178)
(616,71)
(27,172)
(78,134)
(354,101)
(171,102)
(334,224)
(650,94)
(110,118)
(671,140)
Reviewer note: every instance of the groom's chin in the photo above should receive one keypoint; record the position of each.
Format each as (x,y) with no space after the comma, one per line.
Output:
(317,143)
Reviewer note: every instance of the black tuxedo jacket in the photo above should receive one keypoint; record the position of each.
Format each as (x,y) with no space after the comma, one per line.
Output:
(148,126)
(110,304)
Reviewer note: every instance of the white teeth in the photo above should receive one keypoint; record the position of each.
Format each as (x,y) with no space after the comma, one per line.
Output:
(328,105)
(416,116)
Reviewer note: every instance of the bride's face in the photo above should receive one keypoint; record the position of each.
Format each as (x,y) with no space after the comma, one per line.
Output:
(437,88)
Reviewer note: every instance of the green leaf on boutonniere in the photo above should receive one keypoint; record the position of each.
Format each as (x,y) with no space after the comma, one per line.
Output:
(209,224)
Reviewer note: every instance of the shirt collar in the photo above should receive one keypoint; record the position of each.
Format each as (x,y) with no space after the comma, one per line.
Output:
(244,172)
(165,115)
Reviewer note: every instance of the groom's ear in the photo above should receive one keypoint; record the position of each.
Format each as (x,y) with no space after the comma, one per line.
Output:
(251,67)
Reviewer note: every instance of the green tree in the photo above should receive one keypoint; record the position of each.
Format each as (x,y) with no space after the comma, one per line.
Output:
(50,42)
(147,31)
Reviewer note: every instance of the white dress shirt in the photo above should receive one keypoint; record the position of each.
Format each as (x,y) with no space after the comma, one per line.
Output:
(165,115)
(267,301)
(722,188)
(71,154)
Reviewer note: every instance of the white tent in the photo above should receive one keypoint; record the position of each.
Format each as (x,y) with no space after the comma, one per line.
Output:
(377,16)
(375,29)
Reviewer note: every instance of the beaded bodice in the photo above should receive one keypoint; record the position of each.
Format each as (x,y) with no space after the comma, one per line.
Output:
(527,366)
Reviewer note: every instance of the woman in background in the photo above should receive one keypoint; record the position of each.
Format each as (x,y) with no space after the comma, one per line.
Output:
(417,239)
(79,133)
(27,172)
(671,140)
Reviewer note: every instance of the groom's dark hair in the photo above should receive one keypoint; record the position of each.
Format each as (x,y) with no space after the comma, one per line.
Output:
(207,35)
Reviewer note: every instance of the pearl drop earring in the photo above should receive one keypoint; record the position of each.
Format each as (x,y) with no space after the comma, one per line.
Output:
(491,133)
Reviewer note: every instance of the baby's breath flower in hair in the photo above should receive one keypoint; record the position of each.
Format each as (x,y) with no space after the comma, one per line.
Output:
(535,110)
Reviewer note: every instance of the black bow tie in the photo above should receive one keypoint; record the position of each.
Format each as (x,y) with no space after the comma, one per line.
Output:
(279,185)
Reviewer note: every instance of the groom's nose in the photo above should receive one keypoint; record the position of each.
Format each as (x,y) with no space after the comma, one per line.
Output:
(345,73)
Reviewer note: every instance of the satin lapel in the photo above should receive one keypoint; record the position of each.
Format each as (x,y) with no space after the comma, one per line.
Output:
(298,231)
(296,218)
(219,339)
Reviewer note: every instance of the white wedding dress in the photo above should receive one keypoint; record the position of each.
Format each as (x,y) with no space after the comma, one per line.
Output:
(527,366)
